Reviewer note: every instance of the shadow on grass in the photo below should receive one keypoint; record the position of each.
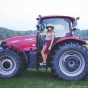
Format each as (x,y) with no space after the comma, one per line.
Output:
(38,74)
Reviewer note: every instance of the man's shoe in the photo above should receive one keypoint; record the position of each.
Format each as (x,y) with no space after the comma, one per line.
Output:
(42,64)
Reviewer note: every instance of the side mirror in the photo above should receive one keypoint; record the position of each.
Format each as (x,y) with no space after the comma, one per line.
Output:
(40,28)
(75,22)
(78,18)
(74,29)
(37,26)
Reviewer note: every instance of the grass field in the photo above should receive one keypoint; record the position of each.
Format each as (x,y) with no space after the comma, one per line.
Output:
(34,79)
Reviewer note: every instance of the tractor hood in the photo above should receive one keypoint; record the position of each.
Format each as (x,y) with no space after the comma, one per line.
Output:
(24,42)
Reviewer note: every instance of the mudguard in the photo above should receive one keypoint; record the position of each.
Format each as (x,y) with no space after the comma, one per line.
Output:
(68,39)
(15,47)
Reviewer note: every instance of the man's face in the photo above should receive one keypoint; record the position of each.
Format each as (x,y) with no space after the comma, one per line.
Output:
(49,28)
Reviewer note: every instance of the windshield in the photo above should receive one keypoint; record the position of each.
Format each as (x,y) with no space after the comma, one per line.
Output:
(61,26)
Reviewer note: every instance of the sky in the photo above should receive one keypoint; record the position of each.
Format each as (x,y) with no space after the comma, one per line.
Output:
(22,14)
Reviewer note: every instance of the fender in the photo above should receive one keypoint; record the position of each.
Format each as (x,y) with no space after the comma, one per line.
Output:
(67,39)
(4,45)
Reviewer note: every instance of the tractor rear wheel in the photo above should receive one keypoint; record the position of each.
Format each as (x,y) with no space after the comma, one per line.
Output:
(70,62)
(10,63)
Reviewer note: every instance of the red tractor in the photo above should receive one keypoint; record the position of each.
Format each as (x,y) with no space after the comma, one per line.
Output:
(68,58)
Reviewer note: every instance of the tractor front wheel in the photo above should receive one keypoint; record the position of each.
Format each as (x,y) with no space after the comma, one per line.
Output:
(10,63)
(70,62)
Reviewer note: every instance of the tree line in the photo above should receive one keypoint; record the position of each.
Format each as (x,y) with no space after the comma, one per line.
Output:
(83,34)
(7,33)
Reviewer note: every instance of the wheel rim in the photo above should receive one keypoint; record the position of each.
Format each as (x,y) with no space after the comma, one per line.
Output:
(7,65)
(72,63)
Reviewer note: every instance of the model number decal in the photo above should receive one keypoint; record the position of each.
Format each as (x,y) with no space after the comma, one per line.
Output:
(32,39)
(15,41)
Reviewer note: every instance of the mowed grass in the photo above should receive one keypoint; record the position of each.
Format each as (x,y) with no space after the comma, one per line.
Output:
(34,79)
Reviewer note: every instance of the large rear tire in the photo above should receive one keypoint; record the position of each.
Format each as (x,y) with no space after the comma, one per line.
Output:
(70,62)
(10,63)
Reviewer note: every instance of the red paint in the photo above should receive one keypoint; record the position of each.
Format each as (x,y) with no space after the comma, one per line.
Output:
(24,42)
(45,17)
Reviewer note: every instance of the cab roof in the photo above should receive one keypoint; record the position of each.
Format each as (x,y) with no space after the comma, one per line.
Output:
(55,16)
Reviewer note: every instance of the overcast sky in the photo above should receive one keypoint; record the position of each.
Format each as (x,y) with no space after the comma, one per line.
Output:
(21,14)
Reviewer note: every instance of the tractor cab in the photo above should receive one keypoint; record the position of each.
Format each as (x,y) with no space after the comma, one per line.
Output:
(63,26)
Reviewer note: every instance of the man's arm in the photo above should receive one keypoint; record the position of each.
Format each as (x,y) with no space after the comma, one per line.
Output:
(43,34)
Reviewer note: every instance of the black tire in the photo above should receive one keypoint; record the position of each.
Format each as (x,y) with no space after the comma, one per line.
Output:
(10,63)
(24,65)
(70,62)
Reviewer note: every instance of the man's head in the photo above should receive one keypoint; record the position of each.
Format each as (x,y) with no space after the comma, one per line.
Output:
(50,28)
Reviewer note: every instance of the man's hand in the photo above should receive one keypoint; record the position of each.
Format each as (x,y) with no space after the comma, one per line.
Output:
(49,48)
(38,31)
